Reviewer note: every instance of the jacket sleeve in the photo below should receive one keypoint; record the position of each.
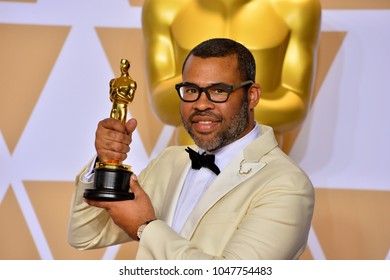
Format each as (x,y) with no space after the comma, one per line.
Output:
(91,227)
(275,225)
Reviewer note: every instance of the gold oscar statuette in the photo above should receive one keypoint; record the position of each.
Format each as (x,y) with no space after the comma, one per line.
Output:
(112,178)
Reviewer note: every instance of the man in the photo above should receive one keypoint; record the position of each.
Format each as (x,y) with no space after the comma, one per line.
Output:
(256,204)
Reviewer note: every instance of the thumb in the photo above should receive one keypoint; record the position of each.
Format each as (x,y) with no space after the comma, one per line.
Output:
(134,185)
(131,125)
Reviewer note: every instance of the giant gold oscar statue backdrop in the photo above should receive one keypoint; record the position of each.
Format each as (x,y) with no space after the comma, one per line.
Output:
(282,35)
(323,65)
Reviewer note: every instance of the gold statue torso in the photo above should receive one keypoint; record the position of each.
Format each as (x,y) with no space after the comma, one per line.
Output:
(122,90)
(277,32)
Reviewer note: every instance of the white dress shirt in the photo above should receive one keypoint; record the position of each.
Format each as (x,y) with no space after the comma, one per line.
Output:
(197,181)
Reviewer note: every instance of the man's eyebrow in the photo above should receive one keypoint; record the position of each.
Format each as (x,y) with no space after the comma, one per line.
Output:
(212,84)
(218,83)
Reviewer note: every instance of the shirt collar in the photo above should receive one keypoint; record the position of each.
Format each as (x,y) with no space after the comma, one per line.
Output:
(224,155)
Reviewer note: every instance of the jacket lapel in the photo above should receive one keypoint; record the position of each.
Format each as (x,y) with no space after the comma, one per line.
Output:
(174,188)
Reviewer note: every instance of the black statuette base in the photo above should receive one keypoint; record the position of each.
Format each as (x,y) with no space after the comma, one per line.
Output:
(110,185)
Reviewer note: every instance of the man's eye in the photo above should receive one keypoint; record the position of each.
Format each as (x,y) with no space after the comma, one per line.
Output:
(190,90)
(217,90)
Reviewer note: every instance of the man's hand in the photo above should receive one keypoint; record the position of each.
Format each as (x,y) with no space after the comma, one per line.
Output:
(113,138)
(129,214)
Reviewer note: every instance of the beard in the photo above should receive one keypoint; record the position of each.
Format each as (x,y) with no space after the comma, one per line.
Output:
(235,126)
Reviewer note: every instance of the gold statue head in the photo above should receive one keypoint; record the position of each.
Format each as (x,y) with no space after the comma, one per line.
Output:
(124,67)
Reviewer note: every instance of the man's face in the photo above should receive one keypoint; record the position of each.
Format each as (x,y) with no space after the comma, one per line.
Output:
(214,125)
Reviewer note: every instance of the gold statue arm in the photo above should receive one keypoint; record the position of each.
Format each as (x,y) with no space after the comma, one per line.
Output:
(285,107)
(163,70)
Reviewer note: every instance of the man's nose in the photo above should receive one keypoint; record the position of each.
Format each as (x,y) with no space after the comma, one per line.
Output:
(203,102)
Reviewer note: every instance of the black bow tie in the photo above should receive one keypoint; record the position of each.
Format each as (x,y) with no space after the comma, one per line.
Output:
(202,160)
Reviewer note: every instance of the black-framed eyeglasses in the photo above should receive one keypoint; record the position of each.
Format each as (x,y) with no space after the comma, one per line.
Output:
(217,93)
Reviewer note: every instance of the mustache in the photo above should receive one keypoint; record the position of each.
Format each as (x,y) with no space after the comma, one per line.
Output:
(204,114)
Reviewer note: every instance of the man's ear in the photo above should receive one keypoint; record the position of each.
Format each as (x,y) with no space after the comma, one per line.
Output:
(254,95)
